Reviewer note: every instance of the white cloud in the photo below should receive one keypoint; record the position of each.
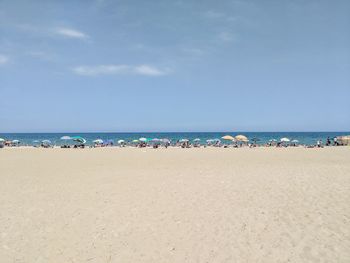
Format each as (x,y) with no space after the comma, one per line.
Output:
(70,33)
(3,59)
(146,70)
(101,70)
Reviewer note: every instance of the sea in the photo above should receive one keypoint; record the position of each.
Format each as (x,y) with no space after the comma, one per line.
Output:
(306,138)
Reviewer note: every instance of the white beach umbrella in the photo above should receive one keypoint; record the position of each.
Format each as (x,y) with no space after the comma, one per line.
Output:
(98,141)
(121,141)
(142,139)
(15,141)
(46,142)
(197,140)
(165,140)
(2,140)
(285,139)
(184,140)
(295,141)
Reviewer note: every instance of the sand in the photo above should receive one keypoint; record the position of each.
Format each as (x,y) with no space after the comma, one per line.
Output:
(175,205)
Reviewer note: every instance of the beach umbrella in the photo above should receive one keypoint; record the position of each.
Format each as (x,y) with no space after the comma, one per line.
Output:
(2,140)
(241,138)
(15,141)
(197,140)
(155,140)
(46,142)
(165,140)
(295,141)
(135,141)
(142,139)
(285,139)
(79,139)
(228,138)
(184,140)
(121,141)
(98,141)
(66,138)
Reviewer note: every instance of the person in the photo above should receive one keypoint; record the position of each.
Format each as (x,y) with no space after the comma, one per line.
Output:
(335,140)
(328,143)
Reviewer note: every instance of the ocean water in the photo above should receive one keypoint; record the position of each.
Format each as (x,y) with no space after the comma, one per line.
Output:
(302,137)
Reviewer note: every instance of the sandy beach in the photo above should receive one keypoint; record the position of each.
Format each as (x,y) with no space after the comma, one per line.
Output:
(175,205)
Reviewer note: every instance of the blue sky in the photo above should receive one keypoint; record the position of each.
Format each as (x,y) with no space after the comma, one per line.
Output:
(174,65)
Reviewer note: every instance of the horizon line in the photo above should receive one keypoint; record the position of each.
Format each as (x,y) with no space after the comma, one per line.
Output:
(138,132)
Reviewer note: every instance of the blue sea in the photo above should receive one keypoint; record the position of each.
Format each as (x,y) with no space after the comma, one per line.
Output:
(302,137)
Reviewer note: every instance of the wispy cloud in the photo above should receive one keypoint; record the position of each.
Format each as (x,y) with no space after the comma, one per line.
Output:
(146,70)
(3,59)
(70,33)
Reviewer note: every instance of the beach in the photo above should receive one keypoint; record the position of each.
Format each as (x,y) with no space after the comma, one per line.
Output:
(175,205)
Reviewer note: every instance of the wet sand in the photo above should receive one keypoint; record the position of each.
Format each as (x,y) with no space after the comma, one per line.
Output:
(175,205)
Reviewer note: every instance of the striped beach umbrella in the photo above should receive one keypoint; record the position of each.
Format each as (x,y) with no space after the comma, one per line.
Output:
(228,138)
(241,138)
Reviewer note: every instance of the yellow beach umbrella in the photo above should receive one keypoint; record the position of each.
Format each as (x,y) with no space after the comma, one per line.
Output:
(228,137)
(241,138)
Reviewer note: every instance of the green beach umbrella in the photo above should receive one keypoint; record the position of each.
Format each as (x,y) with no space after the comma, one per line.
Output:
(79,139)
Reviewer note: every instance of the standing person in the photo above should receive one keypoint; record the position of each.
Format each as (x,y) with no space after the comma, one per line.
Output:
(328,143)
(335,140)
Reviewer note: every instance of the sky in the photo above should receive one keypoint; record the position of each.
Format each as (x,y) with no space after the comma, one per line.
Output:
(174,65)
